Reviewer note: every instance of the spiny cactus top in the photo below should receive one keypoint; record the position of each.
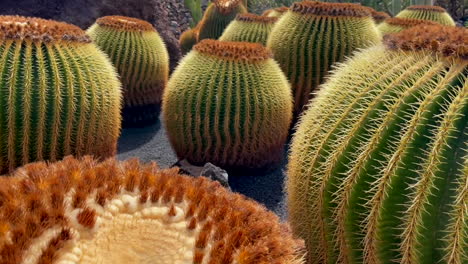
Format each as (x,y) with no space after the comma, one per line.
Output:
(188,39)
(142,60)
(218,16)
(379,17)
(394,25)
(432,13)
(313,36)
(82,211)
(228,103)
(276,12)
(249,28)
(59,94)
(378,170)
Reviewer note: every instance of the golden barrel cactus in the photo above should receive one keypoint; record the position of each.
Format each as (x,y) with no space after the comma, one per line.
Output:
(378,169)
(142,60)
(249,28)
(432,13)
(188,39)
(82,211)
(395,25)
(59,94)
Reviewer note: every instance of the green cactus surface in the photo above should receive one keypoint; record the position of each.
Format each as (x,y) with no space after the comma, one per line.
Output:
(431,13)
(310,38)
(395,25)
(249,28)
(228,103)
(188,39)
(378,168)
(141,58)
(276,12)
(217,17)
(59,94)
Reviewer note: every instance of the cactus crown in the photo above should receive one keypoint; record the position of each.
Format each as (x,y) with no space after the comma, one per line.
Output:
(125,23)
(427,8)
(282,9)
(248,17)
(226,6)
(408,22)
(330,9)
(379,16)
(236,51)
(37,29)
(444,40)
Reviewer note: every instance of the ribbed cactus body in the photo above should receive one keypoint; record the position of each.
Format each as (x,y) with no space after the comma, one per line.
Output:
(142,60)
(188,39)
(59,94)
(378,169)
(228,103)
(313,36)
(218,16)
(249,28)
(431,13)
(395,25)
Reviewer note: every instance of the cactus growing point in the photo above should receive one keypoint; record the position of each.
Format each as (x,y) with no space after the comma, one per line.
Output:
(432,13)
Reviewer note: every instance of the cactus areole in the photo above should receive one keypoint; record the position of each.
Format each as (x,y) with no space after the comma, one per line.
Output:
(59,94)
(427,12)
(142,60)
(378,169)
(82,211)
(395,25)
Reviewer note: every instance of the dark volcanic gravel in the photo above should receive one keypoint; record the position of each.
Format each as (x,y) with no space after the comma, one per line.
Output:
(151,144)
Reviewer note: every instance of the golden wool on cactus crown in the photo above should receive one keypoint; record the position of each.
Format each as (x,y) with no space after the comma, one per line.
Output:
(85,211)
(60,93)
(425,12)
(394,25)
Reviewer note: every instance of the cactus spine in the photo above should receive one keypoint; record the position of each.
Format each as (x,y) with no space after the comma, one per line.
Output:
(142,60)
(228,103)
(431,13)
(217,17)
(313,36)
(378,170)
(58,93)
(249,28)
(395,25)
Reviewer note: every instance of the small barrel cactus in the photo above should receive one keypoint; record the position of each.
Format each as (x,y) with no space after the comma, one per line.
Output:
(142,60)
(188,39)
(276,12)
(217,17)
(431,13)
(228,103)
(378,169)
(82,211)
(249,28)
(59,94)
(313,36)
(395,25)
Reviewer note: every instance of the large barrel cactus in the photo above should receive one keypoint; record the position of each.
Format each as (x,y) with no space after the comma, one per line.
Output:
(228,103)
(249,28)
(59,94)
(82,211)
(378,169)
(431,13)
(142,60)
(217,17)
(310,38)
(395,25)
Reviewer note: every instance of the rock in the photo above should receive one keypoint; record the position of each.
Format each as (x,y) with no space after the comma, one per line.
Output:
(209,171)
(83,13)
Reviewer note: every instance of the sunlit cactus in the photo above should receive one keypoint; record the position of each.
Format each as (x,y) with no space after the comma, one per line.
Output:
(378,168)
(275,12)
(395,25)
(142,60)
(228,103)
(188,39)
(310,38)
(217,17)
(82,211)
(431,13)
(249,28)
(59,94)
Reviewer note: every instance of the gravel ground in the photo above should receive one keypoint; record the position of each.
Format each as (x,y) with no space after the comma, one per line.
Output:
(151,144)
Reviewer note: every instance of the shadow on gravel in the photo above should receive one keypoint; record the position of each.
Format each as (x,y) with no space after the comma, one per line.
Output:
(133,138)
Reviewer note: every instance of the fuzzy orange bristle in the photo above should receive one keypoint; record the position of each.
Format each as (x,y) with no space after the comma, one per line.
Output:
(87,218)
(330,9)
(237,51)
(125,23)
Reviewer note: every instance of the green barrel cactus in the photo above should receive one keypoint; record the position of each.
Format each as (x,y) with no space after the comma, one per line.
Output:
(395,25)
(431,13)
(310,38)
(188,39)
(217,17)
(141,59)
(228,103)
(276,12)
(249,28)
(378,169)
(59,94)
